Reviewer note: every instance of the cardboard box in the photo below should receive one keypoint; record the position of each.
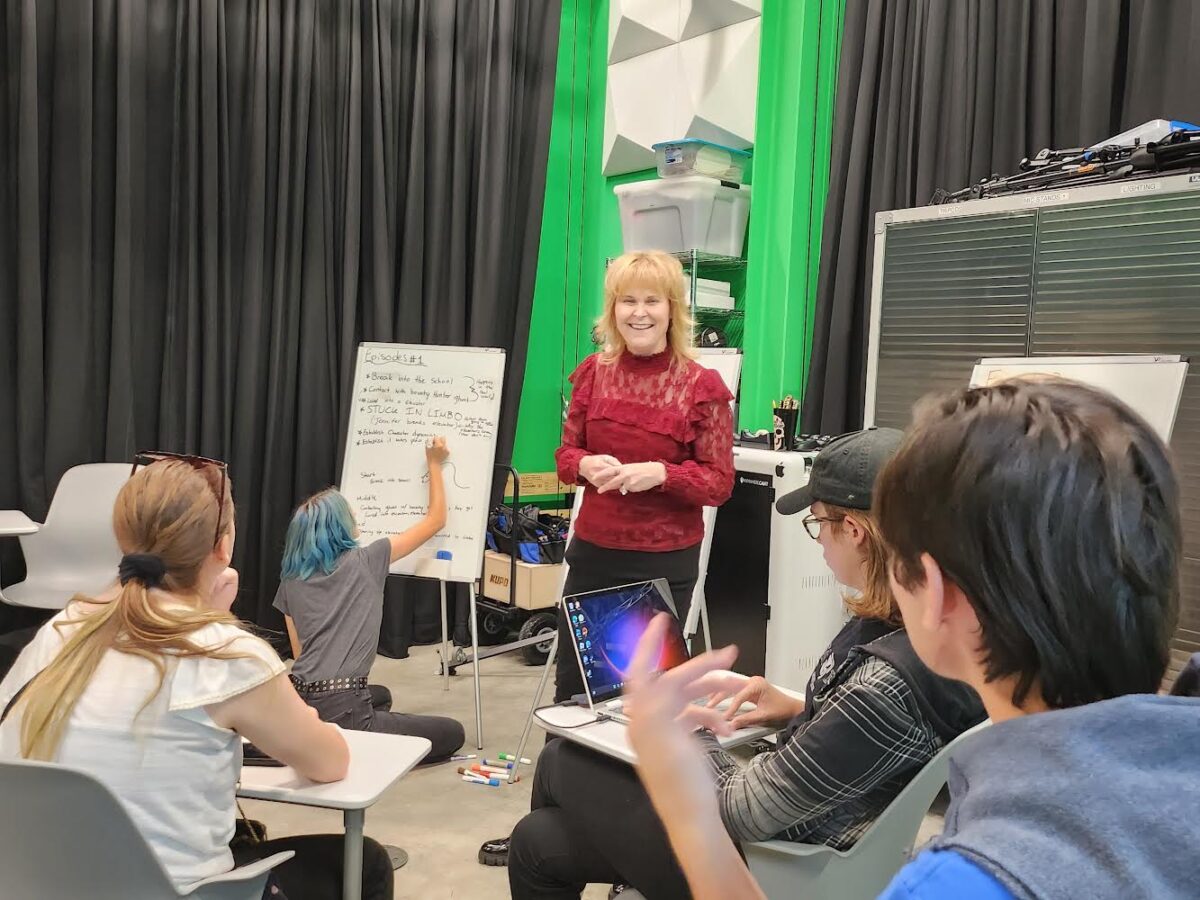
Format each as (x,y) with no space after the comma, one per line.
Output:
(538,586)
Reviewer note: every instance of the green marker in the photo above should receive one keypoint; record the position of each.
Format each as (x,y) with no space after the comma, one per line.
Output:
(511,758)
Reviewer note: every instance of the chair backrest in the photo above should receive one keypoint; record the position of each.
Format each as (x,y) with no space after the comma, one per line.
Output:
(64,834)
(78,535)
(790,870)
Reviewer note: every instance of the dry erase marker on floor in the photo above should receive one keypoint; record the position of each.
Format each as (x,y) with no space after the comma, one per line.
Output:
(491,782)
(479,779)
(497,763)
(482,772)
(460,757)
(494,770)
(509,756)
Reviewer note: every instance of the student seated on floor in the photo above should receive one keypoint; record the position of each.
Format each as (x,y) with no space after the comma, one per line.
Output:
(873,715)
(1035,536)
(331,597)
(150,686)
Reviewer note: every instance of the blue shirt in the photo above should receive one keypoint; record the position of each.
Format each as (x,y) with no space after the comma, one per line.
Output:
(944,875)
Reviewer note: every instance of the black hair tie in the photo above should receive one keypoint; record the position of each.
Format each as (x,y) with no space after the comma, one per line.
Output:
(144,567)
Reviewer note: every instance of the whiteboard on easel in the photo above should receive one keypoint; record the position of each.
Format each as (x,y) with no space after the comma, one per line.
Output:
(405,394)
(1150,385)
(726,361)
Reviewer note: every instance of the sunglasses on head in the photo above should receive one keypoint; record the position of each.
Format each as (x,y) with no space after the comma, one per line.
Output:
(199,463)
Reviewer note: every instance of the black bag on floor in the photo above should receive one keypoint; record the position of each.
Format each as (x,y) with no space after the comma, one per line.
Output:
(537,537)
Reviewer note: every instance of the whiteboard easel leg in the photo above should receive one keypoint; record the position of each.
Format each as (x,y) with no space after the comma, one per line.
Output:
(537,700)
(445,641)
(708,644)
(475,668)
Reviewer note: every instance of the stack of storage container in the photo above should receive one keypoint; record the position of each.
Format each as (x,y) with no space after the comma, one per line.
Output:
(697,203)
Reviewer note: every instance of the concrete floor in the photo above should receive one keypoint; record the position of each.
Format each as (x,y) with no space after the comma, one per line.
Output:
(431,812)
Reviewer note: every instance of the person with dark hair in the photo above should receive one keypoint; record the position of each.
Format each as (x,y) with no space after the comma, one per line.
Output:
(873,715)
(1035,534)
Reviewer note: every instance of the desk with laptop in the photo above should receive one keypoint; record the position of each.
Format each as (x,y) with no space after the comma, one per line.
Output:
(605,626)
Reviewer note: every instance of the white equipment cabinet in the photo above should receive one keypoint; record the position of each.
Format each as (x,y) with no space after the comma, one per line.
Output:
(765,570)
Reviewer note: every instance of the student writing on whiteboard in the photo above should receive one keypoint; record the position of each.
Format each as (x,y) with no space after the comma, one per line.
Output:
(331,597)
(649,436)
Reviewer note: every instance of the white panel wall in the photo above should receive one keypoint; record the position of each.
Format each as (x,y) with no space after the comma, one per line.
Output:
(679,68)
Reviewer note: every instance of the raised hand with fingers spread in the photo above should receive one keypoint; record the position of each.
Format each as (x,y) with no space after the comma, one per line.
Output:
(672,765)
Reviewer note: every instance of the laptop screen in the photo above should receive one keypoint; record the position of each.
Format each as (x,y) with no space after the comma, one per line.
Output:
(606,626)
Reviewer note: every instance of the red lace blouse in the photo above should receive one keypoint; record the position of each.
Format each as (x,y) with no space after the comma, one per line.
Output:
(646,409)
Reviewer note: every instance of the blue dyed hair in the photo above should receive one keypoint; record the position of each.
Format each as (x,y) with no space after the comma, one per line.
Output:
(321,530)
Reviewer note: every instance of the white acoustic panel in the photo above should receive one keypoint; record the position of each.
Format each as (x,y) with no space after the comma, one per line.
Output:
(697,17)
(720,76)
(636,118)
(641,26)
(704,87)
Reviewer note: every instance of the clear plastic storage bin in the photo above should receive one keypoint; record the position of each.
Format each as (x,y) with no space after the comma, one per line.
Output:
(692,156)
(689,212)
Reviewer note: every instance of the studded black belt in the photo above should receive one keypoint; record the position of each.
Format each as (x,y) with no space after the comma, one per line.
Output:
(326,685)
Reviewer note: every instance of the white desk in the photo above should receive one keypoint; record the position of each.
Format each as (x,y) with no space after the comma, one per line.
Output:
(612,738)
(14,523)
(377,761)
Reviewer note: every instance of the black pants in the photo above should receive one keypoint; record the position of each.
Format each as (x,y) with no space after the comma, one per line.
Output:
(591,823)
(315,872)
(369,709)
(593,568)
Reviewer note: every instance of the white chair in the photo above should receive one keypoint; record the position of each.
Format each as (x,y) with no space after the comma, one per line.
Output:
(75,550)
(64,834)
(789,870)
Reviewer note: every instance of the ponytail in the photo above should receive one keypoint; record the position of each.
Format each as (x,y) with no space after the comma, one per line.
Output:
(164,519)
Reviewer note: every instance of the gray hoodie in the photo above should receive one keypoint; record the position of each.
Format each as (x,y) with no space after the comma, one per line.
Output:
(1100,801)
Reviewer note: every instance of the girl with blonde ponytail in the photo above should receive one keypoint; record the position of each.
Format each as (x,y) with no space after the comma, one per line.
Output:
(151,685)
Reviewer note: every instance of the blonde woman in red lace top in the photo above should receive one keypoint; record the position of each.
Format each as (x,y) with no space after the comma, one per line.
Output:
(649,437)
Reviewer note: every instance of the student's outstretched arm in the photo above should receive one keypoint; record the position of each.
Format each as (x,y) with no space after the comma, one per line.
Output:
(274,718)
(435,520)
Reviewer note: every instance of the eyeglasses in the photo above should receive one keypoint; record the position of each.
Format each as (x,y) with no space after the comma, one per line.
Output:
(200,464)
(812,524)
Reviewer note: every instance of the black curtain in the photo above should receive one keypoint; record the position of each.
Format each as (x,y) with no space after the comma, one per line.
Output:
(206,204)
(940,93)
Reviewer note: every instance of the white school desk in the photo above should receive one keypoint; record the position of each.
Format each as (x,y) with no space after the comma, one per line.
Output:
(14,523)
(612,738)
(377,761)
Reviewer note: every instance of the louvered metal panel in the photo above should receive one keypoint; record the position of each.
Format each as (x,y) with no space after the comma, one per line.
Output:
(1124,277)
(1117,270)
(952,291)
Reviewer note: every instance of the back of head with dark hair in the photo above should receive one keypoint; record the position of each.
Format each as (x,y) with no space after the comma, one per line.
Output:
(1054,507)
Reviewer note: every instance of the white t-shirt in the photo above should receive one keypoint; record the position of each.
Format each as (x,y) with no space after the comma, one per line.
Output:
(172,767)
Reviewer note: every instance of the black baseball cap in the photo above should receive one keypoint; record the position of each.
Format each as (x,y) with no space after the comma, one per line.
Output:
(844,472)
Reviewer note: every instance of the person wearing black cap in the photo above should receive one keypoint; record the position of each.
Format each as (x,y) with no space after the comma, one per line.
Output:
(873,715)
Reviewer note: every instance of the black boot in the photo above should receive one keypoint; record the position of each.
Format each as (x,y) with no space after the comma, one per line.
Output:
(494,853)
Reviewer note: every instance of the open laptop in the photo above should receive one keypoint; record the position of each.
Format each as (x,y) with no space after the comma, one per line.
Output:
(605,628)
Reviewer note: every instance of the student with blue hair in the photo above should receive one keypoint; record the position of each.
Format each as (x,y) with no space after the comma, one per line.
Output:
(331,597)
